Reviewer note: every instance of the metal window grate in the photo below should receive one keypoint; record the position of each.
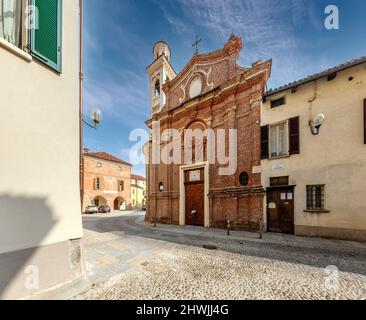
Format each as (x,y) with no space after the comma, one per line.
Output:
(278,102)
(315,197)
(279,181)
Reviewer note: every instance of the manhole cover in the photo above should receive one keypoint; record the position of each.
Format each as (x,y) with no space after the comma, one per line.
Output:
(145,263)
(209,247)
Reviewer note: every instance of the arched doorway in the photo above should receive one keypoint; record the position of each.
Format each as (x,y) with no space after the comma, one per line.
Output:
(119,204)
(99,201)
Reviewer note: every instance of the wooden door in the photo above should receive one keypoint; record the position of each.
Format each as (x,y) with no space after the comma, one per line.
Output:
(116,204)
(280,210)
(194,197)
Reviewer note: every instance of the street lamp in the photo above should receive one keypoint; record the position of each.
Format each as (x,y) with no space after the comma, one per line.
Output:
(95,116)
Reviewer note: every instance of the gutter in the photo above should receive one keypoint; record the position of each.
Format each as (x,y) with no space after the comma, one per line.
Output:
(81,77)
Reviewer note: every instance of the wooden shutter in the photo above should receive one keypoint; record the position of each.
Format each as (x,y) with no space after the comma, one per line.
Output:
(294,135)
(364,120)
(45,38)
(265,142)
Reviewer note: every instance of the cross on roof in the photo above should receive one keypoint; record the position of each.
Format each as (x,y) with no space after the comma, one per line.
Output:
(198,40)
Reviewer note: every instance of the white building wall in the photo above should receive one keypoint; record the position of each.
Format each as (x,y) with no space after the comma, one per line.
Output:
(336,157)
(39,163)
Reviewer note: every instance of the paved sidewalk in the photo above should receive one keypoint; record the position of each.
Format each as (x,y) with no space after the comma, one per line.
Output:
(108,254)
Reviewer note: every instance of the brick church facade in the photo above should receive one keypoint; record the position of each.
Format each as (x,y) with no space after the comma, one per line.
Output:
(211,92)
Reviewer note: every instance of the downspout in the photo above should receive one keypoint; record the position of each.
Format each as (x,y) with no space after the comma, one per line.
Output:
(81,76)
(312,99)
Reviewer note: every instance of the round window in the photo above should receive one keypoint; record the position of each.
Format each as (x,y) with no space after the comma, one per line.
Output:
(195,88)
(244,179)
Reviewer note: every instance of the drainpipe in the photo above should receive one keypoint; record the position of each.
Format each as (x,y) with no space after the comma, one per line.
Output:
(81,159)
(312,99)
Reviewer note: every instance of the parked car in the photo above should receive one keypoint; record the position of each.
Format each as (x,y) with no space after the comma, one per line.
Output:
(91,209)
(104,209)
(143,208)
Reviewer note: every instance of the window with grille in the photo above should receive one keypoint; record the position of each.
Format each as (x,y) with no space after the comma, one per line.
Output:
(97,184)
(279,181)
(315,197)
(278,102)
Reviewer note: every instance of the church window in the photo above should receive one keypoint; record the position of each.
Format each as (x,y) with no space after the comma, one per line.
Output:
(157,88)
(195,88)
(244,179)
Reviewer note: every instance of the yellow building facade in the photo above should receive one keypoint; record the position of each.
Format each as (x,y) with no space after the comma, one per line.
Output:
(138,191)
(106,181)
(314,154)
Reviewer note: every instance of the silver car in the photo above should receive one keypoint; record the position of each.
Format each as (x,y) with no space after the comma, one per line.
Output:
(91,209)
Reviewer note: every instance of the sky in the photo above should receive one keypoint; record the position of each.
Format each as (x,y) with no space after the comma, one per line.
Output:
(119,36)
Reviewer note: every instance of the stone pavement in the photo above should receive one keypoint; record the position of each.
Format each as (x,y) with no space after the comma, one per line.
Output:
(108,254)
(129,259)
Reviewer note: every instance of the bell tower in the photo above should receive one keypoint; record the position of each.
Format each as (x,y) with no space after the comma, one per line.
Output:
(160,71)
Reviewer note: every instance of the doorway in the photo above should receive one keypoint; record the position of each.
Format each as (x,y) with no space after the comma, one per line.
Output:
(194,197)
(280,210)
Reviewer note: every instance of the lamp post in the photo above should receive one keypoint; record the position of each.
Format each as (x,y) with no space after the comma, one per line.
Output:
(95,116)
(228,227)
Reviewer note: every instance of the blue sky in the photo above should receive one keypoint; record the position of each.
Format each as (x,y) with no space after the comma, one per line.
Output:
(120,34)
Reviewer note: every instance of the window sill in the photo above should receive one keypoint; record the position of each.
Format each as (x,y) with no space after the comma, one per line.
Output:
(280,157)
(20,53)
(317,211)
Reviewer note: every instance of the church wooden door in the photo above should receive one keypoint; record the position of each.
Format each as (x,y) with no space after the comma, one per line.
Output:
(194,197)
(280,210)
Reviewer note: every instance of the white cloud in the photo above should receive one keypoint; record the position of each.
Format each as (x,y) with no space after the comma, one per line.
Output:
(267,28)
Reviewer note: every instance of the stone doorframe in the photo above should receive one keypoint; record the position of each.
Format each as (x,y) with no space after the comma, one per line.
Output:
(182,193)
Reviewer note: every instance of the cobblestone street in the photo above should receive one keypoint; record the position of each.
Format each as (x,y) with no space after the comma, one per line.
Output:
(168,262)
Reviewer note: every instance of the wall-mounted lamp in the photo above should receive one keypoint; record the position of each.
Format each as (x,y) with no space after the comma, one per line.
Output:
(95,115)
(161,187)
(316,123)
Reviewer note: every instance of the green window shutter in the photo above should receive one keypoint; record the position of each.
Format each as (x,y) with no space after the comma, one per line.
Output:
(46,39)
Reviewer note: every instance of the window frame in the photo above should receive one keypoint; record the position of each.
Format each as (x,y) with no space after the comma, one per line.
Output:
(23,50)
(121,186)
(312,200)
(273,101)
(97,183)
(286,141)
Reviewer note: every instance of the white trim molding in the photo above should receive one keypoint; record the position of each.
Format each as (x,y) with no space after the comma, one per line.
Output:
(14,49)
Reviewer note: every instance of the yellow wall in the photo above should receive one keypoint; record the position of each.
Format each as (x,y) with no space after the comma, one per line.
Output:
(138,193)
(336,157)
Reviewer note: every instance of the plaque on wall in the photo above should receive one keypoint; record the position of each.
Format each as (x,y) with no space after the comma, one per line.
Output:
(195,175)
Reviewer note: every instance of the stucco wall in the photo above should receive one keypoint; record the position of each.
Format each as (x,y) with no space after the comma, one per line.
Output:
(138,193)
(109,175)
(39,134)
(336,157)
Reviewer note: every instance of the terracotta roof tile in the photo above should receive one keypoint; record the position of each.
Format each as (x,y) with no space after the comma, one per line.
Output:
(313,77)
(106,156)
(137,177)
